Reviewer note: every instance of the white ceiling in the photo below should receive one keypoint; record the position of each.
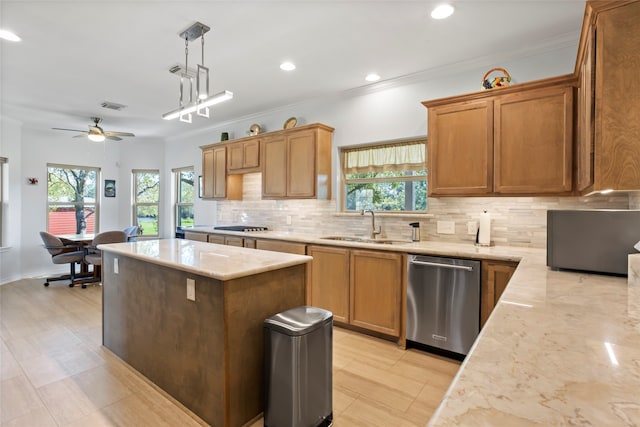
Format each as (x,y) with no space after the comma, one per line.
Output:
(76,54)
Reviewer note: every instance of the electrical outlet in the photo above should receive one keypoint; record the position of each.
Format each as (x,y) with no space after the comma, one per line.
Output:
(472,227)
(446,227)
(115,265)
(288,219)
(191,289)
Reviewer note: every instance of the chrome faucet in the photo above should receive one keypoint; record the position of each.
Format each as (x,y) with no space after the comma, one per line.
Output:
(374,232)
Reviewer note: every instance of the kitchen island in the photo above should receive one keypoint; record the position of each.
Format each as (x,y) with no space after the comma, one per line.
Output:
(203,345)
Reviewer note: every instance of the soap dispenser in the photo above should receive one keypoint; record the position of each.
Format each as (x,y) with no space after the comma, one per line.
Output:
(415,231)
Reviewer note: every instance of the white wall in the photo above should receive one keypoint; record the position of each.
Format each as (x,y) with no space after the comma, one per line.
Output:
(10,259)
(115,159)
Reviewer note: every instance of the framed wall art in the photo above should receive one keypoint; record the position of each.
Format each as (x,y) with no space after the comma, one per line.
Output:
(109,188)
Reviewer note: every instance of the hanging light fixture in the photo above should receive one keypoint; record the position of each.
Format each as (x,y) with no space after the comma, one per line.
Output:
(186,102)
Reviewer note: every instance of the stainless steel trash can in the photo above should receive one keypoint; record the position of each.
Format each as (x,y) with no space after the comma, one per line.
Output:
(298,368)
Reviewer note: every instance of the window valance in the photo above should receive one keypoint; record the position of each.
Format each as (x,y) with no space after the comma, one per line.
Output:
(407,155)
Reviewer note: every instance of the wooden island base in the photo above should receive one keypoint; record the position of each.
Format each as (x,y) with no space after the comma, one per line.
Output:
(207,353)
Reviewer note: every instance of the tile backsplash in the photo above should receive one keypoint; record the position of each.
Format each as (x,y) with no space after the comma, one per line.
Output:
(515,221)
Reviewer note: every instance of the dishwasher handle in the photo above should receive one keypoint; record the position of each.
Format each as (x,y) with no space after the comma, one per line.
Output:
(437,264)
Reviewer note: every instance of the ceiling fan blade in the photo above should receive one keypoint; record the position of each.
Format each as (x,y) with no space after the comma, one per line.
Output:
(118,134)
(72,130)
(112,138)
(82,135)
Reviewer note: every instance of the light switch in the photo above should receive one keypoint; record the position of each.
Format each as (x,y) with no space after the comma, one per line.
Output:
(191,289)
(115,265)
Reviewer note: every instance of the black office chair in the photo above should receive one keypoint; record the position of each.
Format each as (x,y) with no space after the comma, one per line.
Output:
(63,251)
(93,255)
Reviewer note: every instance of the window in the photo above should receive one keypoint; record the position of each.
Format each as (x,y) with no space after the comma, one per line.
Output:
(385,177)
(184,196)
(72,202)
(146,201)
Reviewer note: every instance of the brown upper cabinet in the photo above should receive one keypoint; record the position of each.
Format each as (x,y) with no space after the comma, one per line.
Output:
(515,140)
(216,184)
(297,163)
(244,156)
(608,148)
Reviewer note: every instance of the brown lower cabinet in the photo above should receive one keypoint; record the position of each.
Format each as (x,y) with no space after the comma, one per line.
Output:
(280,246)
(360,287)
(328,280)
(495,277)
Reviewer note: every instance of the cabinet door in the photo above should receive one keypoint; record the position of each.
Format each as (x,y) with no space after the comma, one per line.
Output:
(460,148)
(328,283)
(279,246)
(533,141)
(216,238)
(219,172)
(301,164)
(274,172)
(251,154)
(207,173)
(376,286)
(495,277)
(617,109)
(199,237)
(236,156)
(584,174)
(234,241)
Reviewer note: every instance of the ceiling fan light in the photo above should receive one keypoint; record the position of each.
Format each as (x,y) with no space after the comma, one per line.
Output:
(96,137)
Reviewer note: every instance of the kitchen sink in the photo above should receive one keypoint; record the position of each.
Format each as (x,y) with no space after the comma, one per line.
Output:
(344,238)
(365,240)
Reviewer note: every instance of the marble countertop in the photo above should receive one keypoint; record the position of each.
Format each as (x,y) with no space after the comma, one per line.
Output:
(207,259)
(463,250)
(560,348)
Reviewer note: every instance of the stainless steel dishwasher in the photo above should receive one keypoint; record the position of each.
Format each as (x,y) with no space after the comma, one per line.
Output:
(443,302)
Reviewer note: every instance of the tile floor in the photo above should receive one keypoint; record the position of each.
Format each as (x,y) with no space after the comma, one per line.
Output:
(54,371)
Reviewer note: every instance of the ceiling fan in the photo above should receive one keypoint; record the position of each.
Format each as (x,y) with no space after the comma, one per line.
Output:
(96,133)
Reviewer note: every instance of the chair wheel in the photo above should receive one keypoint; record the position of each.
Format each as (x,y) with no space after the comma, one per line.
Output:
(71,285)
(84,286)
(45,284)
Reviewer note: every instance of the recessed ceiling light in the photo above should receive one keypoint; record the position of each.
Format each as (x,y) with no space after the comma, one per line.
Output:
(287,66)
(8,35)
(442,11)
(373,77)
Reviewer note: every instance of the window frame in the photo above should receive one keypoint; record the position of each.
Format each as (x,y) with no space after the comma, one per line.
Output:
(178,203)
(344,181)
(97,170)
(3,160)
(135,204)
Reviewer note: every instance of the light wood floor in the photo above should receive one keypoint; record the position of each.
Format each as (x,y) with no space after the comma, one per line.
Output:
(54,371)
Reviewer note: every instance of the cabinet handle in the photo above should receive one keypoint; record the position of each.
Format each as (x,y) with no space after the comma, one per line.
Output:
(436,264)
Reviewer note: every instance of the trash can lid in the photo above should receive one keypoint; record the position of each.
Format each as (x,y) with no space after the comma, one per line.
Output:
(299,320)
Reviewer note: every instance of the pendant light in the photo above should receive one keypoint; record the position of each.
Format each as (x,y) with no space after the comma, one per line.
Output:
(186,102)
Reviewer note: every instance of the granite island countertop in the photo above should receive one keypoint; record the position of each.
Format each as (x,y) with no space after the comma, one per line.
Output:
(207,259)
(560,348)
